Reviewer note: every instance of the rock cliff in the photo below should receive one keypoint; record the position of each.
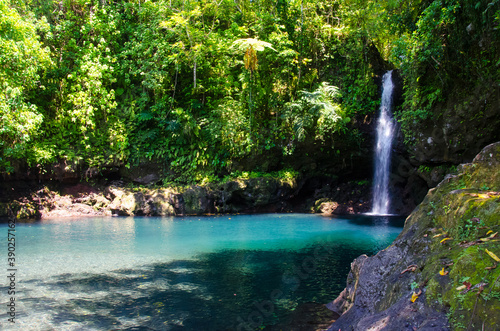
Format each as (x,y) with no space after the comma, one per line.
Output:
(441,272)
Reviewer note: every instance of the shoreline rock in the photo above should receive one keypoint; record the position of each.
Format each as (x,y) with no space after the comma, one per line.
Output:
(413,283)
(254,195)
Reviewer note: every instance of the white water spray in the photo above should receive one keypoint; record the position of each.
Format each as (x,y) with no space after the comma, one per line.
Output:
(385,133)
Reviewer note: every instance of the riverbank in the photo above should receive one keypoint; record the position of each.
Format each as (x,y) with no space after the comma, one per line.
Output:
(327,195)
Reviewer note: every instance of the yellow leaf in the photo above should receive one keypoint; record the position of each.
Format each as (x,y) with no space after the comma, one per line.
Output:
(493,256)
(443,273)
(460,288)
(490,237)
(414,297)
(438,235)
(489,232)
(445,239)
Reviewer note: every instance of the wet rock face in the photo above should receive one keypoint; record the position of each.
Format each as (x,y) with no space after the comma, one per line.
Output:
(444,241)
(353,197)
(256,195)
(468,121)
(197,200)
(457,130)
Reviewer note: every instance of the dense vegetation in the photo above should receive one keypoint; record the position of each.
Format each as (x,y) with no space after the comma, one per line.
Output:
(198,86)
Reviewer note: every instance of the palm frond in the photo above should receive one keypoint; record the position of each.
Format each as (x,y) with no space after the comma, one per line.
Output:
(257,45)
(329,91)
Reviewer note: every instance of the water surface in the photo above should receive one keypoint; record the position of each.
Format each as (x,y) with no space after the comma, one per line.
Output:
(241,272)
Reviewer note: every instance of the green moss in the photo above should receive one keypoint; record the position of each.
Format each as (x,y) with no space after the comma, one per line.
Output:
(464,263)
(460,209)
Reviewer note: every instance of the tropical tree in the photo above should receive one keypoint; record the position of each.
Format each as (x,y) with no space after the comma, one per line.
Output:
(251,46)
(22,57)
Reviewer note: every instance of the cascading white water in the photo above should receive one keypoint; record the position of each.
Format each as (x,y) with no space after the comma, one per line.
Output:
(385,133)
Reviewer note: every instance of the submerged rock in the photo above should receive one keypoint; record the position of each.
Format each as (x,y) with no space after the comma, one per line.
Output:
(439,273)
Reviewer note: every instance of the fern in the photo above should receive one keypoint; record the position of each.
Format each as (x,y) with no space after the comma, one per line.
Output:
(317,112)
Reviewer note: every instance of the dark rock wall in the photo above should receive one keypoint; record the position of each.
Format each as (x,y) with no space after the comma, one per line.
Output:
(413,283)
(457,130)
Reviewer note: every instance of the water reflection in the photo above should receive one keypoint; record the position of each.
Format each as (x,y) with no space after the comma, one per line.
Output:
(211,273)
(376,220)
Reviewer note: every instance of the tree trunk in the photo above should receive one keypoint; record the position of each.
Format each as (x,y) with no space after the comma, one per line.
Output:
(194,74)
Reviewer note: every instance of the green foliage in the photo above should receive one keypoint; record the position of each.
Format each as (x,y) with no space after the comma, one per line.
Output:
(469,229)
(165,81)
(22,57)
(443,46)
(283,175)
(198,87)
(317,113)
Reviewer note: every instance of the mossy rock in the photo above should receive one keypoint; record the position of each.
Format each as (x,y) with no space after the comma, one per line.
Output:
(447,239)
(197,200)
(4,209)
(457,218)
(19,210)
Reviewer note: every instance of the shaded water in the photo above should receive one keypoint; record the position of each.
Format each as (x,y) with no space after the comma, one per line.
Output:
(212,273)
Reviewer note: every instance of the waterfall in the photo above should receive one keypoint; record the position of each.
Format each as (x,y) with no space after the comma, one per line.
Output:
(385,133)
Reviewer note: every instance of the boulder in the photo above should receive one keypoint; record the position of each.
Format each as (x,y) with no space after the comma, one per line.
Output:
(444,245)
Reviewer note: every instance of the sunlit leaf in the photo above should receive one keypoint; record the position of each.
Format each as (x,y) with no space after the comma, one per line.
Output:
(443,273)
(490,237)
(493,256)
(258,45)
